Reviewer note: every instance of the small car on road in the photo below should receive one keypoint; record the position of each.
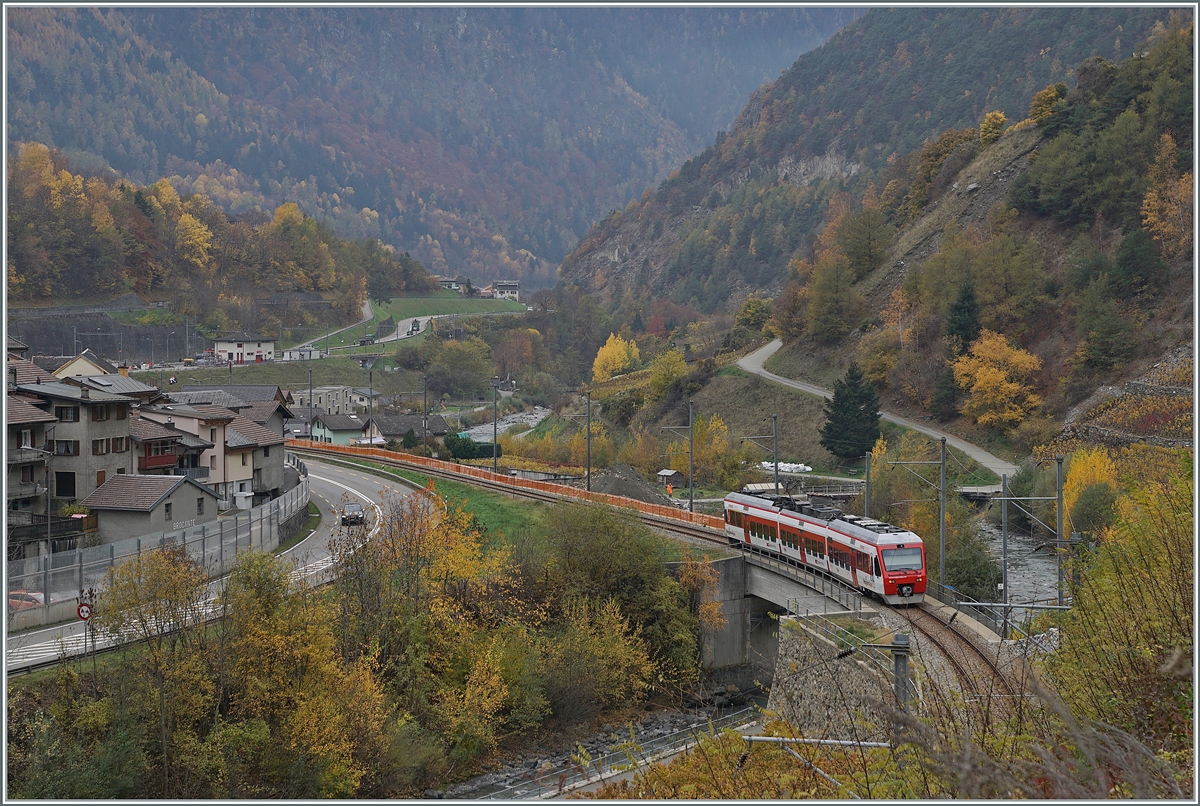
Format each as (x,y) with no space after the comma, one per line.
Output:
(353,513)
(23,600)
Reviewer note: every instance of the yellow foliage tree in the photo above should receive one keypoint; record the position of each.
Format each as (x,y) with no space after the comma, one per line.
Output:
(665,370)
(1167,205)
(615,357)
(712,454)
(995,376)
(1088,466)
(992,127)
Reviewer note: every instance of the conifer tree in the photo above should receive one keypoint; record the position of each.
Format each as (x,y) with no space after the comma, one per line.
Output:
(851,416)
(961,325)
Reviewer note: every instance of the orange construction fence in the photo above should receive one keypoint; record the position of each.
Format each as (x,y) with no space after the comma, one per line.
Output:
(419,462)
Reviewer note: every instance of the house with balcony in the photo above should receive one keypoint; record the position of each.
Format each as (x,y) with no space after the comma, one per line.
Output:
(132,505)
(208,425)
(26,439)
(266,458)
(507,289)
(88,444)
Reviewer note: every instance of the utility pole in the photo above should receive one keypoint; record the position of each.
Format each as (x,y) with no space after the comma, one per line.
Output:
(941,487)
(589,440)
(867,485)
(675,429)
(495,444)
(942,520)
(425,410)
(310,433)
(1058,533)
(774,446)
(1004,547)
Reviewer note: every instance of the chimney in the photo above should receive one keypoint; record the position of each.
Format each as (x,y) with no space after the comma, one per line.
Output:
(123,371)
(83,393)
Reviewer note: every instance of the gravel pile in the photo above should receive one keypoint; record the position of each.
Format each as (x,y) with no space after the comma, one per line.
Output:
(624,480)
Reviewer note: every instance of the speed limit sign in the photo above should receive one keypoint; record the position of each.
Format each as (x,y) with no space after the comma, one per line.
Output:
(85,611)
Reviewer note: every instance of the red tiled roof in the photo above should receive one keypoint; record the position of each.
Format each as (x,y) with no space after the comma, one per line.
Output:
(136,492)
(143,430)
(258,434)
(27,371)
(20,412)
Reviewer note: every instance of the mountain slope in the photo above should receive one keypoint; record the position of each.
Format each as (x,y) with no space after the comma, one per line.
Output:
(479,140)
(729,221)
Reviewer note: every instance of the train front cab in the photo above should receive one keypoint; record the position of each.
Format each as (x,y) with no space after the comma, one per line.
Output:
(904,573)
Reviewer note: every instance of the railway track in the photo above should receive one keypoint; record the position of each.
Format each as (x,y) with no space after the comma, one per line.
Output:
(990,692)
(681,528)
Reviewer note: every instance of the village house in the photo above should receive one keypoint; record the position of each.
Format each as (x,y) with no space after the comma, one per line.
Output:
(89,441)
(134,505)
(26,427)
(244,348)
(337,429)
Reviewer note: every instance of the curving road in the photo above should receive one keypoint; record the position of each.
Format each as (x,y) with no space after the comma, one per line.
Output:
(753,363)
(329,487)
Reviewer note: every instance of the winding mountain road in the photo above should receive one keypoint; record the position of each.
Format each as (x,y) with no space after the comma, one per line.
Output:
(753,364)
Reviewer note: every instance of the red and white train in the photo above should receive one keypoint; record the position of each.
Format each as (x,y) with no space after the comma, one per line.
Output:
(870,555)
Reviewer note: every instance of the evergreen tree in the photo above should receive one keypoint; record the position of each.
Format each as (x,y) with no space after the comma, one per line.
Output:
(944,403)
(851,416)
(961,325)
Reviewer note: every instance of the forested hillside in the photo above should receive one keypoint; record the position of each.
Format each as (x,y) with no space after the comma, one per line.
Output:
(72,237)
(852,112)
(484,141)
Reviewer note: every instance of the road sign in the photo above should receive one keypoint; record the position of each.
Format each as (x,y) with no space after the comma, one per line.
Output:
(84,610)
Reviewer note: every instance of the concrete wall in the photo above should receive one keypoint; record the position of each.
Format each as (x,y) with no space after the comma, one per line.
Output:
(743,652)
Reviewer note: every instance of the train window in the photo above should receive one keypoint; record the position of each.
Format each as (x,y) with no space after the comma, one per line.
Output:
(875,565)
(908,559)
(771,537)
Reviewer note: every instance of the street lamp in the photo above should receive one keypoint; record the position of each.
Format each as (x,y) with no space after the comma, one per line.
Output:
(167,358)
(151,340)
(495,443)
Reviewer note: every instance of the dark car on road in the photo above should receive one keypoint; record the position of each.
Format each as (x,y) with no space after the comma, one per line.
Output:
(353,513)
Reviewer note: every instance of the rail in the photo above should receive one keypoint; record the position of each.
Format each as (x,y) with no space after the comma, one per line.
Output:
(560,491)
(985,615)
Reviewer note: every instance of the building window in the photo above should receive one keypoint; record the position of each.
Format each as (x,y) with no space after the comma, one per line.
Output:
(212,435)
(243,460)
(26,474)
(200,505)
(64,484)
(26,438)
(100,476)
(212,462)
(120,471)
(119,445)
(121,409)
(99,412)
(67,414)
(167,511)
(66,447)
(99,447)
(266,451)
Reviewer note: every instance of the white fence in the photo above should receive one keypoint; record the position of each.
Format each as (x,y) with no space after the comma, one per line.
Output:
(62,577)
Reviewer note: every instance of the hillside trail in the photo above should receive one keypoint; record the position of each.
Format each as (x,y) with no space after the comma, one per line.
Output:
(753,363)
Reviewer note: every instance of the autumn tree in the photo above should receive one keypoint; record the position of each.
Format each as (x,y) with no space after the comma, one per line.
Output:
(1045,102)
(992,127)
(666,371)
(158,598)
(865,237)
(851,416)
(995,376)
(835,305)
(1167,205)
(615,357)
(1132,619)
